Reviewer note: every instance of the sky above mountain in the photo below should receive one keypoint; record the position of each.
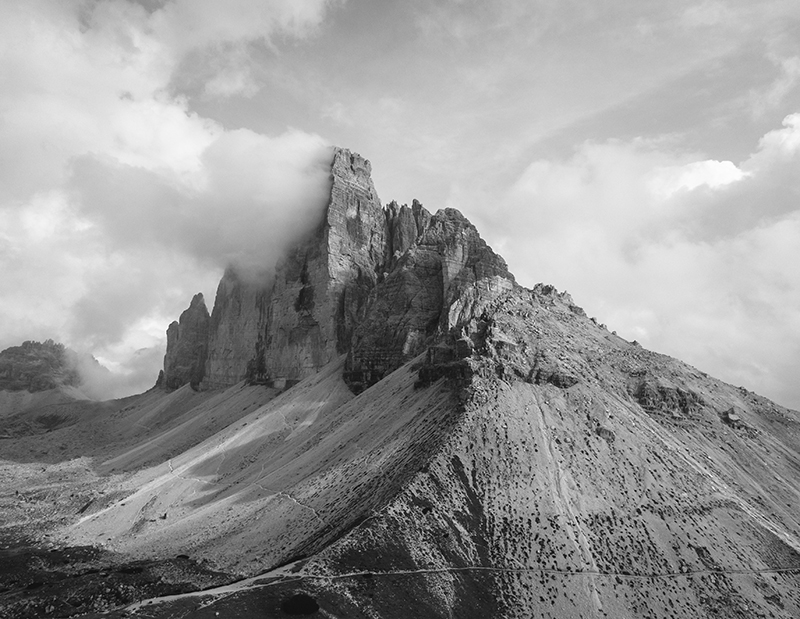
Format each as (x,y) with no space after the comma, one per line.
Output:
(642,155)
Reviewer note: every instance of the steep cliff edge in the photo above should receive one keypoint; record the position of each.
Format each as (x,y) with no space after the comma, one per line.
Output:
(236,325)
(321,286)
(435,284)
(292,325)
(187,346)
(377,283)
(37,366)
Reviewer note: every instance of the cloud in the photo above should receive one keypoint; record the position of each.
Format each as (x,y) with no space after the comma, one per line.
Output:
(118,202)
(235,80)
(669,180)
(781,87)
(100,383)
(195,24)
(704,14)
(251,197)
(692,257)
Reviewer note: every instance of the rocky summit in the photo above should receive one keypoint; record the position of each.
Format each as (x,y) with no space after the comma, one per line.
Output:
(37,366)
(187,347)
(390,426)
(378,284)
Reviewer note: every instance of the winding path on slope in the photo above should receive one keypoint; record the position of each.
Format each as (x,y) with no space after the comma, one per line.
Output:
(283,576)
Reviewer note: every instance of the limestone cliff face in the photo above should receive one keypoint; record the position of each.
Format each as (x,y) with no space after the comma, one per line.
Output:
(437,282)
(322,284)
(404,226)
(236,324)
(37,366)
(377,283)
(289,327)
(187,346)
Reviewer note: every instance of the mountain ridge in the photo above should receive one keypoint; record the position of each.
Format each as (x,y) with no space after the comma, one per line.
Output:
(394,427)
(338,291)
(37,366)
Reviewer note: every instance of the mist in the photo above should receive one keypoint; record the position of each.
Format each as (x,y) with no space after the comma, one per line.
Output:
(117,202)
(100,383)
(691,257)
(250,199)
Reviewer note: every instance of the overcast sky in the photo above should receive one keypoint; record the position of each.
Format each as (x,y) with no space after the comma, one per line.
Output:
(643,155)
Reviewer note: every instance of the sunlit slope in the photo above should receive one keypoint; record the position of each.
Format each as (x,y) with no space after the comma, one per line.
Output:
(284,480)
(63,458)
(170,424)
(569,490)
(146,428)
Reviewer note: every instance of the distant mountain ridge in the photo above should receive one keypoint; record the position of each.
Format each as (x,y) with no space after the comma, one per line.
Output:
(37,366)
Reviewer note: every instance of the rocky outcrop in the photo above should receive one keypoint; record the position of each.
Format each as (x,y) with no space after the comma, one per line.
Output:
(321,286)
(36,366)
(436,284)
(660,396)
(187,346)
(237,322)
(404,226)
(377,283)
(284,329)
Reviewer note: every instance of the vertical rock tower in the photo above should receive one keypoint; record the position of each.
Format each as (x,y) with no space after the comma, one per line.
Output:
(285,329)
(321,286)
(237,320)
(379,284)
(187,346)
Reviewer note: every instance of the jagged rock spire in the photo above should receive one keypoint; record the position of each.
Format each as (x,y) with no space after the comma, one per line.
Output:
(378,284)
(187,346)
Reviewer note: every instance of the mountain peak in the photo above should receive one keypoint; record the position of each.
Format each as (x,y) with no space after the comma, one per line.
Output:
(187,346)
(377,284)
(37,366)
(198,302)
